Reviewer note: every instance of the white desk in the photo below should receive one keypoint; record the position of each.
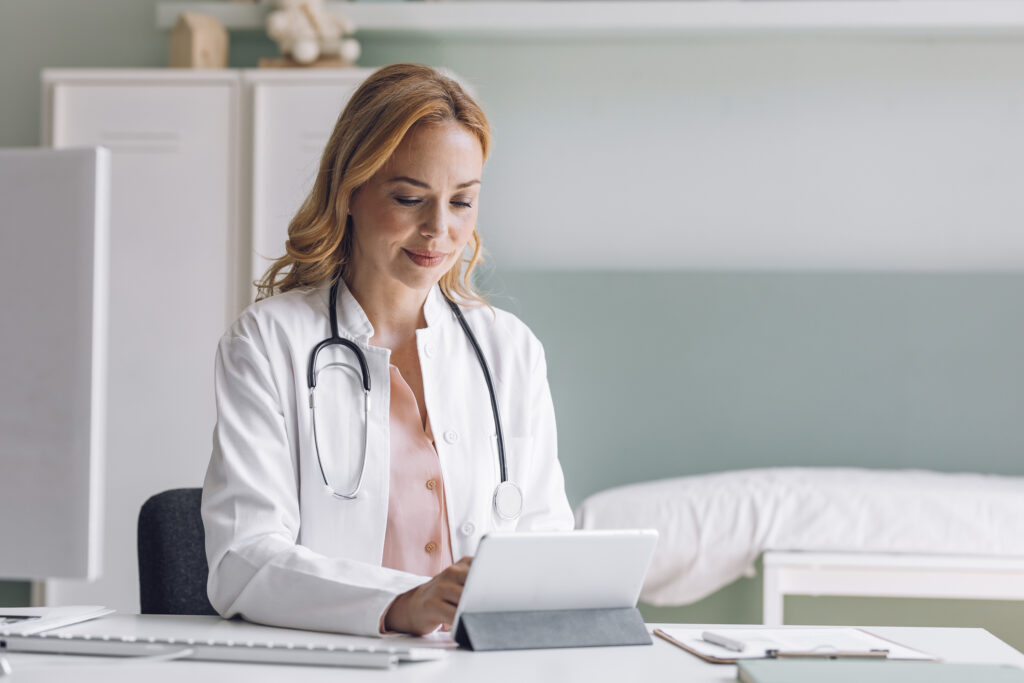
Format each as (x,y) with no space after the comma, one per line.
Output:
(659,662)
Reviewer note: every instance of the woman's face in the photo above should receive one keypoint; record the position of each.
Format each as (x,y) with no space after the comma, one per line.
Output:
(412,219)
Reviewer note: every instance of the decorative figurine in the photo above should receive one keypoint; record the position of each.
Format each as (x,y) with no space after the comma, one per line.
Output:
(305,32)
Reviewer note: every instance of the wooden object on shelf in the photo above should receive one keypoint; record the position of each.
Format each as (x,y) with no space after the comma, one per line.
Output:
(199,41)
(289,63)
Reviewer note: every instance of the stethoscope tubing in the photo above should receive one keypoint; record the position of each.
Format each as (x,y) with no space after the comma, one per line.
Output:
(490,386)
(337,340)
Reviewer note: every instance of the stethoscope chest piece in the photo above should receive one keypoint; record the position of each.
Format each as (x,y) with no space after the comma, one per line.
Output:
(508,500)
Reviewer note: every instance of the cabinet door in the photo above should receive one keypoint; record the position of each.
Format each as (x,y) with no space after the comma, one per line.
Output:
(292,120)
(173,287)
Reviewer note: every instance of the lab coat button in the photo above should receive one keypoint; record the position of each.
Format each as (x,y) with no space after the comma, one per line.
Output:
(430,547)
(428,350)
(451,436)
(467,529)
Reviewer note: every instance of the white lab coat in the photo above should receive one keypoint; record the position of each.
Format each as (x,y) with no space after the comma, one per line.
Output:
(281,549)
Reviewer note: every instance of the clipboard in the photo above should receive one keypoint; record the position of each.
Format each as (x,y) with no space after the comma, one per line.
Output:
(869,645)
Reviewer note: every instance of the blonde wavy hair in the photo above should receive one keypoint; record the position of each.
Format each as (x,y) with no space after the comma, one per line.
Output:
(375,120)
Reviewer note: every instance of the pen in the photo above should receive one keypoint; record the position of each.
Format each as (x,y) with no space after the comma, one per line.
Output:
(723,641)
(826,654)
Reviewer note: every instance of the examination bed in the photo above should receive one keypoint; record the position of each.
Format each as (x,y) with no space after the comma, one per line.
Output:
(825,531)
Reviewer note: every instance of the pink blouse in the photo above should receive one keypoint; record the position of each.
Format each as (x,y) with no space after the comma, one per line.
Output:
(416,539)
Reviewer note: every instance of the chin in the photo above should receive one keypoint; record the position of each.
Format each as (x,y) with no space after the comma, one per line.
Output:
(423,278)
(421,281)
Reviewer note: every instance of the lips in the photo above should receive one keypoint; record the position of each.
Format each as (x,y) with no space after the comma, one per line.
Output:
(425,257)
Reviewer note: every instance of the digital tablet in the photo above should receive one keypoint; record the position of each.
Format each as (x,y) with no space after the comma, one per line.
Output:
(557,570)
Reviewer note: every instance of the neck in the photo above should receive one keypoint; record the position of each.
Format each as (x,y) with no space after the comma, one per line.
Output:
(395,311)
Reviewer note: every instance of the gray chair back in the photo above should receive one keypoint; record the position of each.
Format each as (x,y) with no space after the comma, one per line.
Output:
(172,554)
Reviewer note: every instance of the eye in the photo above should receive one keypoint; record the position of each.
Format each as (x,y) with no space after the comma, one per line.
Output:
(407,201)
(462,203)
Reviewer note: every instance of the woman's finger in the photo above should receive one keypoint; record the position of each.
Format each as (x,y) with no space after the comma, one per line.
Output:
(450,595)
(439,612)
(455,573)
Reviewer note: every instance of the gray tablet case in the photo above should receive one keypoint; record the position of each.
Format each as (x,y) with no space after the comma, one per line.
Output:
(551,629)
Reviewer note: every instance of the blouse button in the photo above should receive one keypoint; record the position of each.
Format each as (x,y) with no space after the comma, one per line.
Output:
(451,436)
(431,484)
(430,547)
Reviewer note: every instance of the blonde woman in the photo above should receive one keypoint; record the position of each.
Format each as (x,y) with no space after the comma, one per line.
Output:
(374,416)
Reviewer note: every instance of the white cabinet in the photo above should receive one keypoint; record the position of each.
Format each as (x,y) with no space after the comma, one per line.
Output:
(293,115)
(193,153)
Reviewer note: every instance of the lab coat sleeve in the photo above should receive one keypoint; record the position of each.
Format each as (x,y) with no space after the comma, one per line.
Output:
(545,506)
(251,515)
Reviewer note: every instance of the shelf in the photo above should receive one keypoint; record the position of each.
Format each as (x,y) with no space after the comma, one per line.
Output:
(644,17)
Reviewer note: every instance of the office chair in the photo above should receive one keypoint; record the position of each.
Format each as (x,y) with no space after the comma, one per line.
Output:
(172,554)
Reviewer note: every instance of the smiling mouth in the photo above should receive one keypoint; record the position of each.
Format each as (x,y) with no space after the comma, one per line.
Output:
(424,257)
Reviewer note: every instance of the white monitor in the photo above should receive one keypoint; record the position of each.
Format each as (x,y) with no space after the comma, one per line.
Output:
(54,228)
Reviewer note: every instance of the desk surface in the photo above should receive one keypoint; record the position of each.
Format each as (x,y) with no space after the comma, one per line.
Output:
(659,662)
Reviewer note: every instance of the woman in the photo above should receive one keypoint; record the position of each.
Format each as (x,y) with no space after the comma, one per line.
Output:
(333,508)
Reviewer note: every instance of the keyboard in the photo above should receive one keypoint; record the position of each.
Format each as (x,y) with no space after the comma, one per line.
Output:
(376,656)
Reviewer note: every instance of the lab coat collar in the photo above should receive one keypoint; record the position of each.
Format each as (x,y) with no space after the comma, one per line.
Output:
(435,307)
(352,319)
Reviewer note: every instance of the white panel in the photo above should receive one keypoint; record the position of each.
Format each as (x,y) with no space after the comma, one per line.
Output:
(54,224)
(292,121)
(921,582)
(173,265)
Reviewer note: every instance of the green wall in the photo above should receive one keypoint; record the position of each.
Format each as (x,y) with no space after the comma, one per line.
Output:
(660,374)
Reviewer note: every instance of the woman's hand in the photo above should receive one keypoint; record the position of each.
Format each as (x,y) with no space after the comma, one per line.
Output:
(432,604)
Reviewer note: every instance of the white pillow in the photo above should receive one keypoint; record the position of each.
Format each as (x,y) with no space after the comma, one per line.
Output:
(714,526)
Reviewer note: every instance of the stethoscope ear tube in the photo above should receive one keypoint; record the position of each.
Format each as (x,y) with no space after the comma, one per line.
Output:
(490,390)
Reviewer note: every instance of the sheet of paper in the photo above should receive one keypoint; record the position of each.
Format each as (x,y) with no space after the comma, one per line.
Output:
(759,641)
(23,621)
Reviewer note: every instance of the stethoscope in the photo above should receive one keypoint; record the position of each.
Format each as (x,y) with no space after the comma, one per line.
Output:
(507,499)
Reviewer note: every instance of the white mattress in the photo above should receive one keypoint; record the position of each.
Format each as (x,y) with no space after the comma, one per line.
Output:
(713,527)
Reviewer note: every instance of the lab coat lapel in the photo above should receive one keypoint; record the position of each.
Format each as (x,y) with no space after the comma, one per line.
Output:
(460,414)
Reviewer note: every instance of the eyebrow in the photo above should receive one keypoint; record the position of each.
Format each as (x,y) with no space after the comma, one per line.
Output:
(420,183)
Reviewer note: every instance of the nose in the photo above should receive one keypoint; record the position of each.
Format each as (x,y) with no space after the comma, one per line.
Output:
(434,219)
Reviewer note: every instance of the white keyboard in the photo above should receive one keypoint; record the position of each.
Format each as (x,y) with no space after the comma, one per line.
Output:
(381,656)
